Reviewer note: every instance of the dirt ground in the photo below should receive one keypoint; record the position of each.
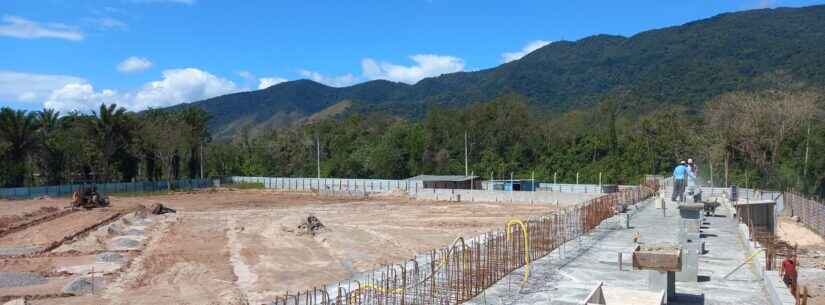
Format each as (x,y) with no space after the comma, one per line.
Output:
(233,246)
(811,257)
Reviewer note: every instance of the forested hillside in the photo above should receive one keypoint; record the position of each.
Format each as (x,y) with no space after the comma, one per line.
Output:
(683,65)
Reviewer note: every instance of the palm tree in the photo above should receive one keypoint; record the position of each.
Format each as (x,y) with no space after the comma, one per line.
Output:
(53,154)
(108,132)
(17,129)
(196,119)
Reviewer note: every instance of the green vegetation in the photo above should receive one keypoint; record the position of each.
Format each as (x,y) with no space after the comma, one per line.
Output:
(111,144)
(753,139)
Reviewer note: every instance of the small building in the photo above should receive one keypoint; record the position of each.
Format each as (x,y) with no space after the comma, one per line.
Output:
(448,182)
(758,215)
(513,185)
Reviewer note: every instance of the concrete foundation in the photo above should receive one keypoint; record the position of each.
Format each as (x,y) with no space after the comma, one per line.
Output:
(689,239)
(662,281)
(568,279)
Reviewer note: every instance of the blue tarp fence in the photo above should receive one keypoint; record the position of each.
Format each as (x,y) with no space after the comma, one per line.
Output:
(105,188)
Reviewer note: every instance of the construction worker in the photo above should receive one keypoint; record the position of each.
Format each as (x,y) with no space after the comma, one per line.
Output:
(679,176)
(788,273)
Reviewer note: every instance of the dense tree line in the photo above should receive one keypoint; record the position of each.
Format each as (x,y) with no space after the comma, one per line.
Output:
(48,148)
(768,138)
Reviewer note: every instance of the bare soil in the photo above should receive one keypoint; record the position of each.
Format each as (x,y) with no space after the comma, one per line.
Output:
(238,246)
(811,257)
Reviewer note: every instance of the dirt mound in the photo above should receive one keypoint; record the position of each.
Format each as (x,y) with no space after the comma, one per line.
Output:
(797,234)
(310,225)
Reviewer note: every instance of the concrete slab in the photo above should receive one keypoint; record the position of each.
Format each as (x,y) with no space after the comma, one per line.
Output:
(568,275)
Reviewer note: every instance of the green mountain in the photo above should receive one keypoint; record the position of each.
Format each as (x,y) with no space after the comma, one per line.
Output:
(686,64)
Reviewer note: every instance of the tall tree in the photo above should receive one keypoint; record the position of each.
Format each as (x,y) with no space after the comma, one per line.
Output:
(53,155)
(17,129)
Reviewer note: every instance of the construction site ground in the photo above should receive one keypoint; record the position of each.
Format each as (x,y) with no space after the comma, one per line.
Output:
(811,257)
(222,246)
(567,275)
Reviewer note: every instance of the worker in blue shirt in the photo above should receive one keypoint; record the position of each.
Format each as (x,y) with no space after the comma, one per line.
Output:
(679,181)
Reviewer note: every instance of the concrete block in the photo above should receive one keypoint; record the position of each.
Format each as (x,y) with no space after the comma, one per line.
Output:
(660,257)
(690,265)
(691,210)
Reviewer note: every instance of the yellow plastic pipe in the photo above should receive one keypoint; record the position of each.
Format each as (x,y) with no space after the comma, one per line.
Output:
(526,246)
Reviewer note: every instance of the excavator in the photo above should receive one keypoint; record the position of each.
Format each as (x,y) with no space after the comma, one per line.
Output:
(88,198)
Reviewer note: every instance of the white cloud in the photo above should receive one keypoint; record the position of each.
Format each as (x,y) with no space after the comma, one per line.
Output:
(110,23)
(19,27)
(266,82)
(134,64)
(530,47)
(177,86)
(334,81)
(29,87)
(427,65)
(80,96)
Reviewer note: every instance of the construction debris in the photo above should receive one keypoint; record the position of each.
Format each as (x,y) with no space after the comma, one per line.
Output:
(158,209)
(310,226)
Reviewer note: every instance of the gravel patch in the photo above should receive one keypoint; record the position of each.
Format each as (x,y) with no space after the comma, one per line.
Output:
(83,285)
(20,279)
(124,244)
(109,257)
(134,232)
(116,229)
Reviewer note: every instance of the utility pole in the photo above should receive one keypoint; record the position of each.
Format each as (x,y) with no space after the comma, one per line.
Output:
(807,149)
(511,182)
(201,151)
(466,164)
(533,180)
(318,155)
(711,173)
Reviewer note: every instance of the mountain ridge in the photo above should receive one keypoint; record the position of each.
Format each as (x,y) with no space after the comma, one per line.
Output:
(684,64)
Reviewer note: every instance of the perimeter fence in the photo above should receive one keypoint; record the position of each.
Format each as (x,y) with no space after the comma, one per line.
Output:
(810,212)
(459,272)
(105,188)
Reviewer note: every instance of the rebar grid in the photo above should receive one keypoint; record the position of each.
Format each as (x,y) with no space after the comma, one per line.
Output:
(459,272)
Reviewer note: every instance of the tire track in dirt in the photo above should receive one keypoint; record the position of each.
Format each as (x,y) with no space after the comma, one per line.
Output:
(28,224)
(245,276)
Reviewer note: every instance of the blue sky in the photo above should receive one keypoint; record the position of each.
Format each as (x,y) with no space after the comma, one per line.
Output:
(75,54)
